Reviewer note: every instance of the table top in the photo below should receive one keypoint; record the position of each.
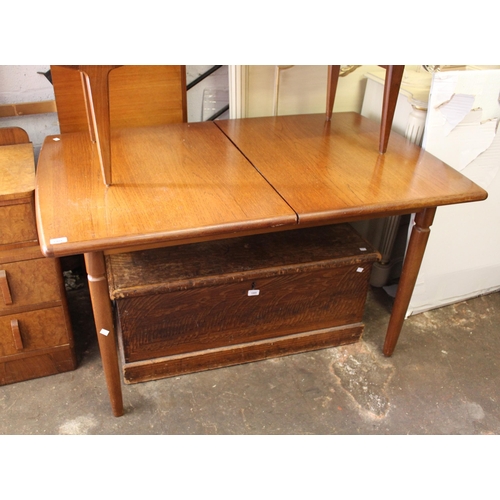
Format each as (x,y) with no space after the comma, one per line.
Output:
(188,182)
(333,172)
(171,183)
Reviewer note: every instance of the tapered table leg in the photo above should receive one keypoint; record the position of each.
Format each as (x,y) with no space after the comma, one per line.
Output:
(103,317)
(413,260)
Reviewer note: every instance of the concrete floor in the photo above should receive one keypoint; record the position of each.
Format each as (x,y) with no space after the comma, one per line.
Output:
(443,379)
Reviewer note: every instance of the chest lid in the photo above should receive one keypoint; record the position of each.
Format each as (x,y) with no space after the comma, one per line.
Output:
(223,261)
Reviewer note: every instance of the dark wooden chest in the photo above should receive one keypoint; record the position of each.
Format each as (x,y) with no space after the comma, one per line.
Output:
(207,305)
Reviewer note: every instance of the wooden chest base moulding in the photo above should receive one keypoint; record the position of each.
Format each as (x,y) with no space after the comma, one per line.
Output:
(207,305)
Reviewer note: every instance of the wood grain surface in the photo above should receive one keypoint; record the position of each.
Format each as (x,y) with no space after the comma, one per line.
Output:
(195,297)
(225,261)
(17,171)
(139,96)
(17,186)
(332,170)
(221,315)
(39,329)
(38,363)
(13,135)
(180,364)
(170,182)
(31,284)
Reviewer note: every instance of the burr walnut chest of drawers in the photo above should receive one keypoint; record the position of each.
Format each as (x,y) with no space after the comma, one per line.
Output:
(219,303)
(35,332)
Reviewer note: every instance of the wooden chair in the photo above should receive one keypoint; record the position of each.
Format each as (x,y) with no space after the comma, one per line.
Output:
(99,98)
(393,77)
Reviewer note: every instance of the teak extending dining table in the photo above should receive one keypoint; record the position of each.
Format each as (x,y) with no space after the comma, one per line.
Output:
(191,182)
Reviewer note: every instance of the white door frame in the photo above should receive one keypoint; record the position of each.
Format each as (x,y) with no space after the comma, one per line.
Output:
(238,79)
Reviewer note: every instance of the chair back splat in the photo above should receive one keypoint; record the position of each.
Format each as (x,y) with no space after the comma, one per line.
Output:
(100,98)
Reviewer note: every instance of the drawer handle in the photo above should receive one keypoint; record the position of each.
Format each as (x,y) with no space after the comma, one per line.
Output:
(16,333)
(4,285)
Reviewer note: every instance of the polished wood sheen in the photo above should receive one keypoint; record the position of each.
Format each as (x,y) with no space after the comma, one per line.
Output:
(95,89)
(331,172)
(392,84)
(103,318)
(182,183)
(139,96)
(171,182)
(418,240)
(117,98)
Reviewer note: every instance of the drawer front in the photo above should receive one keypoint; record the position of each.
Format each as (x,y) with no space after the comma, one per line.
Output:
(28,282)
(223,315)
(36,365)
(17,224)
(32,330)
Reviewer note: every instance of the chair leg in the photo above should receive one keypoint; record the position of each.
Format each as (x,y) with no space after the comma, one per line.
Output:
(331,89)
(393,78)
